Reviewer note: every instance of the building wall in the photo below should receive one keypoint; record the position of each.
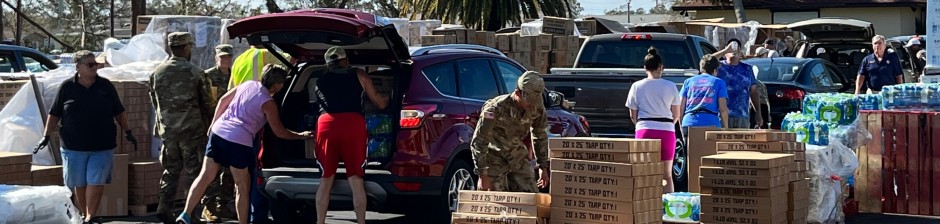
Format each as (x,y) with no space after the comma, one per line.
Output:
(888,21)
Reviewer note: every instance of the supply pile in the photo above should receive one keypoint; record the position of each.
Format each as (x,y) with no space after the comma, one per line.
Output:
(501,207)
(745,187)
(606,180)
(828,118)
(912,97)
(15,168)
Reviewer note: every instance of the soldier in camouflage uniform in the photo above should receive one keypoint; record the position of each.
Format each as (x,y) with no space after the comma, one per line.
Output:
(221,192)
(181,97)
(222,72)
(499,150)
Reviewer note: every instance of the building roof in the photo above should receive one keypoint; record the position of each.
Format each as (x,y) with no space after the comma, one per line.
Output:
(641,19)
(791,4)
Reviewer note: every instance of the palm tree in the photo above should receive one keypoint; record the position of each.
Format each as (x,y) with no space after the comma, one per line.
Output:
(488,15)
(739,11)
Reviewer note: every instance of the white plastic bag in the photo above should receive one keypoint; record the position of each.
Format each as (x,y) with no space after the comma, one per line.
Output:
(533,28)
(824,198)
(143,47)
(21,125)
(852,136)
(829,165)
(39,205)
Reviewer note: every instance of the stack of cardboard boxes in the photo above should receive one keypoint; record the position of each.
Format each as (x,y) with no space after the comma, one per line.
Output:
(138,109)
(798,191)
(555,47)
(501,207)
(15,168)
(745,187)
(115,197)
(7,90)
(740,186)
(601,180)
(47,175)
(145,184)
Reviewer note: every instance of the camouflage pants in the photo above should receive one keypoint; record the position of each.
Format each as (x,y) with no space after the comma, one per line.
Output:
(221,191)
(183,154)
(522,180)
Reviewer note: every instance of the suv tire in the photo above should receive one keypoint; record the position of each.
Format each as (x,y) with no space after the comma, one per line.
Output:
(459,177)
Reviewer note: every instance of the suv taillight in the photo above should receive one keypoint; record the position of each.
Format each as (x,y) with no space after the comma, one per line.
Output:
(413,115)
(636,37)
(790,94)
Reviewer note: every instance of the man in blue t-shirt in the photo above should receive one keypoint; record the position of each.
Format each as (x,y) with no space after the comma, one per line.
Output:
(703,98)
(742,86)
(879,69)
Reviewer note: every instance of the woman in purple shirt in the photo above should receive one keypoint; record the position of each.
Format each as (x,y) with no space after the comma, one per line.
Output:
(241,113)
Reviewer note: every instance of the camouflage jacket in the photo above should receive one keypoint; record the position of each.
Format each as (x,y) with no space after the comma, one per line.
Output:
(219,80)
(182,99)
(498,143)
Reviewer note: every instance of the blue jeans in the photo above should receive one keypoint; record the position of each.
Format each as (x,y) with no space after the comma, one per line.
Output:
(259,203)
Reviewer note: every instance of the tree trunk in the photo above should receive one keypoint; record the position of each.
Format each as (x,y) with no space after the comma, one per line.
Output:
(81,7)
(739,11)
(272,6)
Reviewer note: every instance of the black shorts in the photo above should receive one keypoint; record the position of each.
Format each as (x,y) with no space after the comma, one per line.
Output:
(230,154)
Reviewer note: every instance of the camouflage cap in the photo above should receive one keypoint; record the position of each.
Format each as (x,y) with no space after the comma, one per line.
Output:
(179,39)
(334,53)
(532,86)
(223,50)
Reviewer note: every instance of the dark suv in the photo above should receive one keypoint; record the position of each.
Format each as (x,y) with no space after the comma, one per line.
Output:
(437,93)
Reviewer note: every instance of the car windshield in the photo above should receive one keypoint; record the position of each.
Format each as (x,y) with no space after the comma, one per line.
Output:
(768,71)
(630,54)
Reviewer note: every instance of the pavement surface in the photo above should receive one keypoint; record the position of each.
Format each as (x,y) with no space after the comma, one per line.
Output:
(348,217)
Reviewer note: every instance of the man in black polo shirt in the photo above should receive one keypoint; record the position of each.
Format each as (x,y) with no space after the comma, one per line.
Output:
(879,69)
(87,106)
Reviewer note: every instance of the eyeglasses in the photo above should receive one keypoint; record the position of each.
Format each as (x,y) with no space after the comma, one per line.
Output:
(92,64)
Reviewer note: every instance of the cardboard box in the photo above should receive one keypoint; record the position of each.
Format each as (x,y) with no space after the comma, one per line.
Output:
(732,218)
(801,166)
(486,38)
(504,41)
(754,160)
(21,178)
(604,144)
(11,158)
(605,193)
(544,42)
(776,147)
(540,58)
(744,211)
(15,168)
(606,168)
(604,217)
(114,200)
(558,26)
(745,192)
(593,180)
(47,175)
(459,35)
(722,172)
(755,202)
(737,182)
(559,59)
(799,185)
(560,43)
(536,199)
(587,27)
(431,40)
(569,221)
(504,209)
(622,207)
(467,218)
(750,136)
(522,44)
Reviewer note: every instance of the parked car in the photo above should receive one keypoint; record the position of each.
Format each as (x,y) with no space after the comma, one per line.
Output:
(436,93)
(15,59)
(847,42)
(788,80)
(609,64)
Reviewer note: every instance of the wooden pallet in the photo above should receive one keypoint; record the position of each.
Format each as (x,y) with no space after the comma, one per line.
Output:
(904,153)
(151,209)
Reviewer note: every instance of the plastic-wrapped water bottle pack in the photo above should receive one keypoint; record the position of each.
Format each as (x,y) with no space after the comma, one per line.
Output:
(912,97)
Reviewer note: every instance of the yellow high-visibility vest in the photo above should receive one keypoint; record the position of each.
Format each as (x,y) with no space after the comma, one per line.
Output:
(249,65)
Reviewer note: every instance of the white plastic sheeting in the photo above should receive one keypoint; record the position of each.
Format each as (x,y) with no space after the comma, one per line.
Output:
(829,166)
(21,124)
(39,205)
(143,47)
(746,33)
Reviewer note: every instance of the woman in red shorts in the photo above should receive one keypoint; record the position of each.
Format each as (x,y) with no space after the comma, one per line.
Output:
(341,128)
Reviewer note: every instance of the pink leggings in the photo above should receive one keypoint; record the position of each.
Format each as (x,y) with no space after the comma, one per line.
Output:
(668,139)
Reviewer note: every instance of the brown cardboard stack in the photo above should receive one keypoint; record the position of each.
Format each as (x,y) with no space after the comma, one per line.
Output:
(138,109)
(605,180)
(7,90)
(47,175)
(114,199)
(745,187)
(144,182)
(798,196)
(15,168)
(501,207)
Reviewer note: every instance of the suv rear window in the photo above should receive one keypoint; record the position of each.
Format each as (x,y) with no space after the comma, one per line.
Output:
(630,54)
